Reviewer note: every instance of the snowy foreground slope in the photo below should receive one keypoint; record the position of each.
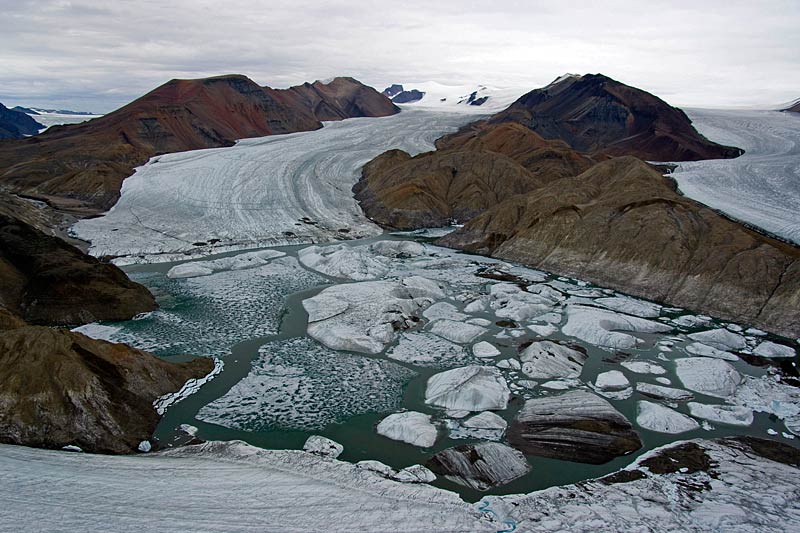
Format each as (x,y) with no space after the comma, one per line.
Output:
(689,486)
(762,187)
(282,189)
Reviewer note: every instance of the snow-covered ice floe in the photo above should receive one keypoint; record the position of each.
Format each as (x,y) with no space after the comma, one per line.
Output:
(411,427)
(761,187)
(605,328)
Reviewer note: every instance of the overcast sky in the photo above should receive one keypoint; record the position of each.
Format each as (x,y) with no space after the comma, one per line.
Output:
(97,55)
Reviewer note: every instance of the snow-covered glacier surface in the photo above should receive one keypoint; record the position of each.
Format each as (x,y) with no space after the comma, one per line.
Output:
(281,189)
(762,187)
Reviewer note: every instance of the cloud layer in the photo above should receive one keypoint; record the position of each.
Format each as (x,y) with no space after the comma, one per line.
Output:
(98,55)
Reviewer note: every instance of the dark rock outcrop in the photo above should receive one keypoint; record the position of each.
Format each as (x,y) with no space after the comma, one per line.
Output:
(16,124)
(480,466)
(80,167)
(46,281)
(573,426)
(60,388)
(406,97)
(622,225)
(470,172)
(595,114)
(794,108)
(392,90)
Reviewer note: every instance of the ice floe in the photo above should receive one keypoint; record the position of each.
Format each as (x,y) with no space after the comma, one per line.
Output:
(239,261)
(485,349)
(460,332)
(704,350)
(733,415)
(425,349)
(713,377)
(411,427)
(721,339)
(644,367)
(547,360)
(664,393)
(322,446)
(773,349)
(631,306)
(604,328)
(480,466)
(611,380)
(662,419)
(470,388)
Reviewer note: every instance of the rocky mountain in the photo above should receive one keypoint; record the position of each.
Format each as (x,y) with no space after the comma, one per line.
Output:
(794,108)
(621,224)
(38,111)
(80,168)
(44,280)
(595,114)
(59,388)
(16,125)
(399,95)
(472,171)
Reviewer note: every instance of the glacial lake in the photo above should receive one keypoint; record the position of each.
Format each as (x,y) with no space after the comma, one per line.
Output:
(253,320)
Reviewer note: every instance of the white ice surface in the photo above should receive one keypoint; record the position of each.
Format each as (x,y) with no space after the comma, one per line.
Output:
(411,427)
(255,193)
(470,388)
(761,187)
(453,98)
(604,328)
(662,419)
(231,487)
(713,377)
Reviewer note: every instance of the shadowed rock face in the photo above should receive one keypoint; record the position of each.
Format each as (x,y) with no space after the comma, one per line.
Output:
(81,167)
(574,426)
(469,173)
(794,108)
(16,124)
(480,466)
(59,388)
(44,280)
(622,225)
(598,115)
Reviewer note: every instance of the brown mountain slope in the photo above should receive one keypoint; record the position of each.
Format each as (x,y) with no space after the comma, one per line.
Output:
(81,167)
(44,280)
(595,114)
(622,225)
(61,388)
(469,173)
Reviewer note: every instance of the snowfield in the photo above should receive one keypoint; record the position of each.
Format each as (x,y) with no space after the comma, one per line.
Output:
(281,189)
(762,187)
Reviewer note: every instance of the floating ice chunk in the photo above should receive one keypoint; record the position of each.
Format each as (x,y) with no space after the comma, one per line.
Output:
(145,446)
(479,322)
(459,332)
(325,447)
(342,261)
(72,448)
(561,384)
(480,466)
(546,291)
(510,301)
(420,287)
(787,435)
(424,349)
(444,310)
(734,327)
(756,332)
(543,331)
(664,381)
(241,261)
(400,249)
(363,317)
(662,419)
(773,349)
(509,363)
(631,306)
(485,349)
(98,331)
(664,393)
(704,350)
(527,383)
(548,318)
(546,359)
(188,429)
(603,328)
(475,306)
(485,420)
(733,415)
(471,388)
(411,427)
(644,367)
(713,377)
(611,380)
(189,270)
(456,413)
(721,339)
(415,474)
(768,394)
(771,431)
(691,321)
(377,467)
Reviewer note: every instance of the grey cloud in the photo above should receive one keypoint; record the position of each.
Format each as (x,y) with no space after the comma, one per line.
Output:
(99,55)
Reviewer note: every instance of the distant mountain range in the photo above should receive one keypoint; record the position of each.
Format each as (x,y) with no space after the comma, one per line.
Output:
(37,111)
(16,125)
(81,167)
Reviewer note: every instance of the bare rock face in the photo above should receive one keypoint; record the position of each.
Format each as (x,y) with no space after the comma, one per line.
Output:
(46,281)
(574,426)
(469,173)
(480,466)
(598,115)
(16,124)
(795,108)
(59,388)
(80,167)
(622,225)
